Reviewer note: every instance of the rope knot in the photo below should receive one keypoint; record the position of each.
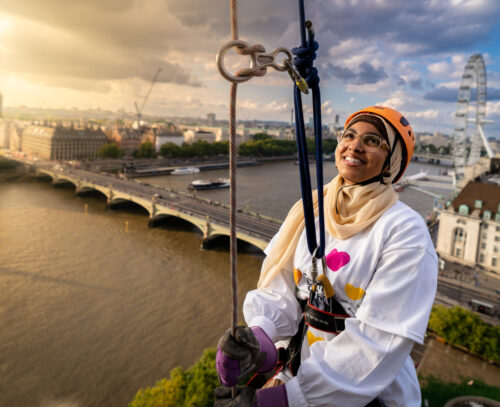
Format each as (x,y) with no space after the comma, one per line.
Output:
(303,62)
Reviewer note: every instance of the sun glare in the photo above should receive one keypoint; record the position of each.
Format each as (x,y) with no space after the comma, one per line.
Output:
(5,25)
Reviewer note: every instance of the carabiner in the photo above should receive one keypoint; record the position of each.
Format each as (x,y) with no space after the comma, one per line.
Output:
(314,270)
(263,60)
(299,81)
(260,60)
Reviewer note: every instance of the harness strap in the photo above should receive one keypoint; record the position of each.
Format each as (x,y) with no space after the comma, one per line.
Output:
(315,318)
(323,320)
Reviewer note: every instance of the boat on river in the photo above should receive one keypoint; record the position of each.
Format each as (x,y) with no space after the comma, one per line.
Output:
(201,184)
(185,170)
(405,181)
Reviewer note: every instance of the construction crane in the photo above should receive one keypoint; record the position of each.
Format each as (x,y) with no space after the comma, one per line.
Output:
(139,111)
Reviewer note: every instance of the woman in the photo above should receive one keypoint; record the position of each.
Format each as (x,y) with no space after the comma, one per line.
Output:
(382,267)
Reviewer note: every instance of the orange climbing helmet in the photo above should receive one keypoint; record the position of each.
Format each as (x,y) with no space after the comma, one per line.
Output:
(402,127)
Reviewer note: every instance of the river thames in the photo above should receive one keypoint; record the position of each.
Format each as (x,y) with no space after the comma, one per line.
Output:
(91,310)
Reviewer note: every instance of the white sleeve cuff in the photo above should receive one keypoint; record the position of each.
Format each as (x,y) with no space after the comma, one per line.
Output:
(294,394)
(266,325)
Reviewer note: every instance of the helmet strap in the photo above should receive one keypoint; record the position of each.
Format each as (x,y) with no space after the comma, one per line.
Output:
(404,159)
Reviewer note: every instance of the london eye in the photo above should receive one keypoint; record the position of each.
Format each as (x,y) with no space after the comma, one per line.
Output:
(468,140)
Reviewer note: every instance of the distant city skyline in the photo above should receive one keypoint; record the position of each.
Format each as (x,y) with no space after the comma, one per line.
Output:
(90,54)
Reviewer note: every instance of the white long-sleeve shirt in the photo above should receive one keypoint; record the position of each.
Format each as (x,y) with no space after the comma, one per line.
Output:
(385,277)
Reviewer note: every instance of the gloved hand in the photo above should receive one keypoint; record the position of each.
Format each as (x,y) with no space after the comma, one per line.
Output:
(245,397)
(248,352)
(248,397)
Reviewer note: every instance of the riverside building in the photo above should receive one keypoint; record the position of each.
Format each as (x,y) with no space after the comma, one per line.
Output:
(162,135)
(127,138)
(62,143)
(4,133)
(469,228)
(15,137)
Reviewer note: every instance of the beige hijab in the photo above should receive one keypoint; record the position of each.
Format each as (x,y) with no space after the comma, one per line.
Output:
(359,207)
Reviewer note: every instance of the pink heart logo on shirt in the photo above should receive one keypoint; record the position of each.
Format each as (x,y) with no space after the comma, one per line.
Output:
(335,260)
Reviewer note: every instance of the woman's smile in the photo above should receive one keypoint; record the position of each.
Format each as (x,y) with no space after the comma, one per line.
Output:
(352,161)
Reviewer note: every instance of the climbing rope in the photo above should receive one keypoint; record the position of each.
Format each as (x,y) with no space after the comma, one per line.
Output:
(232,182)
(232,208)
(303,62)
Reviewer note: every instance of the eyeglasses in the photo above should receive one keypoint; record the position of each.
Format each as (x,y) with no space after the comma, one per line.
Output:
(371,141)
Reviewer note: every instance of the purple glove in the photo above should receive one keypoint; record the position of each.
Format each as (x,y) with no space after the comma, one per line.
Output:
(248,352)
(272,397)
(248,397)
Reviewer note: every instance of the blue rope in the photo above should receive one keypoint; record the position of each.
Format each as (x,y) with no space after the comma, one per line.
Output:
(303,62)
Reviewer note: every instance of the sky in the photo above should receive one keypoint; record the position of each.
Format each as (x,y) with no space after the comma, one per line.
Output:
(407,54)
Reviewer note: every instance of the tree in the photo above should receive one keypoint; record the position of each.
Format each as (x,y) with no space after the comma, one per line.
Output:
(461,327)
(267,147)
(171,150)
(7,164)
(110,150)
(146,150)
(432,149)
(191,388)
(261,136)
(221,147)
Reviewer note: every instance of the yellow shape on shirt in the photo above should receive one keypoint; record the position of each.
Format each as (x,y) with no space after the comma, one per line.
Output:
(297,275)
(311,338)
(354,293)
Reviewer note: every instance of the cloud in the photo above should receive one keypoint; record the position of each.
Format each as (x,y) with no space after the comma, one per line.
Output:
(442,94)
(369,74)
(493,108)
(121,23)
(397,100)
(426,114)
(493,94)
(409,28)
(281,107)
(89,40)
(149,30)
(439,68)
(336,71)
(416,84)
(369,50)
(255,20)
(400,80)
(365,74)
(326,108)
(446,94)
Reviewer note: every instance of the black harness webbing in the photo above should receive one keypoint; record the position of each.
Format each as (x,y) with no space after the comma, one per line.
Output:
(333,322)
(323,320)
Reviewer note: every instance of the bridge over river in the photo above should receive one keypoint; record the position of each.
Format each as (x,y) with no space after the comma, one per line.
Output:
(211,218)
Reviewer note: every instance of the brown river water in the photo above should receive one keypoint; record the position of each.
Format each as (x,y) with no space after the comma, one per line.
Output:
(90,312)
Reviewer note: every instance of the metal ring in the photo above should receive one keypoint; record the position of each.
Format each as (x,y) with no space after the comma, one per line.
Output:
(220,61)
(278,51)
